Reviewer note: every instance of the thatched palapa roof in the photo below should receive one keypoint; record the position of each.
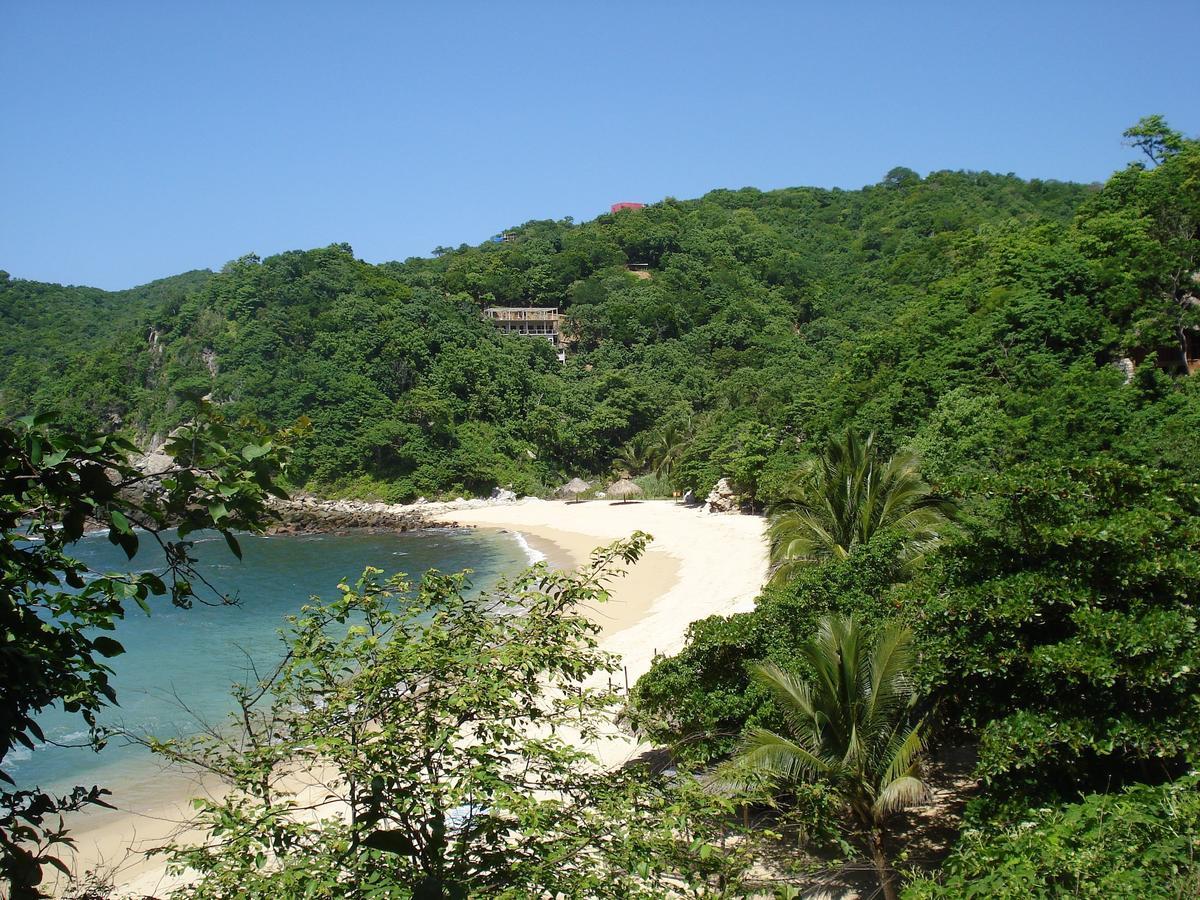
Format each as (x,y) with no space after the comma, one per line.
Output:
(623,488)
(573,488)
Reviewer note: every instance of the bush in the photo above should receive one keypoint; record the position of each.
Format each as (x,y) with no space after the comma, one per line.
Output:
(1143,842)
(1063,633)
(700,699)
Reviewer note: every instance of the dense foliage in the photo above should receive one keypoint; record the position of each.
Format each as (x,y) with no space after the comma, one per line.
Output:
(847,495)
(1058,626)
(757,305)
(431,739)
(698,700)
(1065,633)
(56,346)
(1028,344)
(1141,842)
(56,614)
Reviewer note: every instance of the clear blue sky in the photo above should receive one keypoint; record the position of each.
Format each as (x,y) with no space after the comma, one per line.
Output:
(144,139)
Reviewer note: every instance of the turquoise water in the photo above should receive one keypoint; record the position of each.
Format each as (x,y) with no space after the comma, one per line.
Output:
(176,658)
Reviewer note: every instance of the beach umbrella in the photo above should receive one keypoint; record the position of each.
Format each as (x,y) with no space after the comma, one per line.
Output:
(574,487)
(623,488)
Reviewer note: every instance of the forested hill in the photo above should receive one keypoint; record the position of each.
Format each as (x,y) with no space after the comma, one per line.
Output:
(972,315)
(53,340)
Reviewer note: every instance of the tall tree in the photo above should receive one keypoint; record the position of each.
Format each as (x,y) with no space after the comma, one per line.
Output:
(1155,138)
(847,496)
(665,448)
(632,458)
(850,726)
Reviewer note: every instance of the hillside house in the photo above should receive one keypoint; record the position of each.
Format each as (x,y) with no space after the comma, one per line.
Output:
(529,321)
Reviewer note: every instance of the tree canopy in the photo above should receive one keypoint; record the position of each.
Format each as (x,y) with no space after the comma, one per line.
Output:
(56,615)
(1026,349)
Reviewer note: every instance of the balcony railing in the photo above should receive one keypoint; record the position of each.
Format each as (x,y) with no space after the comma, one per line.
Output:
(522,313)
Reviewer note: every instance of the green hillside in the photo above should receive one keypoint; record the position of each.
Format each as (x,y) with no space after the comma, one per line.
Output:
(769,319)
(1006,573)
(55,344)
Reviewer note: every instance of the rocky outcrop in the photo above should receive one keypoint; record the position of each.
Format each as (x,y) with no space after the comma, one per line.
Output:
(309,515)
(306,515)
(1126,366)
(722,498)
(152,462)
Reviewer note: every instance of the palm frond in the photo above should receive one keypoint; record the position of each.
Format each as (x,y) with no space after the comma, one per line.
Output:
(890,661)
(902,754)
(849,723)
(848,495)
(900,794)
(793,696)
(767,752)
(827,654)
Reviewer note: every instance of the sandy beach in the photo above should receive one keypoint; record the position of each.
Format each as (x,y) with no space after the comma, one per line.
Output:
(697,565)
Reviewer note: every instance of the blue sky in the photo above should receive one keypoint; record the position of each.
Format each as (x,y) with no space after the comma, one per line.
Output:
(144,139)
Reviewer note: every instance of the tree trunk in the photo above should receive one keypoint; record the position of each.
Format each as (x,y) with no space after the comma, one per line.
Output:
(887,878)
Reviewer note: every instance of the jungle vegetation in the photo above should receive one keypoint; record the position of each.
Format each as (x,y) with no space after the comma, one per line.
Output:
(1019,349)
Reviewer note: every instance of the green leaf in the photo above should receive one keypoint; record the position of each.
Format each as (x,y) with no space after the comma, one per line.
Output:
(154,583)
(107,647)
(57,863)
(254,451)
(119,522)
(128,543)
(393,841)
(234,547)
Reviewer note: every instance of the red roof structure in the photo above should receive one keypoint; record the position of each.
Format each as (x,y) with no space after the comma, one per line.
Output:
(626,204)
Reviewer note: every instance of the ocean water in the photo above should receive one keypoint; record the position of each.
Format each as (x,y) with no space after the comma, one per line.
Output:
(179,664)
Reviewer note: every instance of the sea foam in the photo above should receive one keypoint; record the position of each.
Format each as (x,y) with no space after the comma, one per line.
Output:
(534,556)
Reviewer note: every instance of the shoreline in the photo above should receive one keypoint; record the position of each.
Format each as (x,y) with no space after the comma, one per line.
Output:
(632,595)
(717,564)
(308,514)
(720,562)
(697,565)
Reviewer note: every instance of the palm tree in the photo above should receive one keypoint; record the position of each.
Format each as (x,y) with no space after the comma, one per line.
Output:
(847,496)
(849,727)
(666,447)
(632,457)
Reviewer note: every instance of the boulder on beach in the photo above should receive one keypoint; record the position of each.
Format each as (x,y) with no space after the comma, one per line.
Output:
(722,498)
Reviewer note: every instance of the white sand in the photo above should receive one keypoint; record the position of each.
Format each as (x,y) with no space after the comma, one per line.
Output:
(720,560)
(697,565)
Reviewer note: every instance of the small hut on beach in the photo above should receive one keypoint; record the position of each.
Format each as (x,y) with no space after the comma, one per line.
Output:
(572,489)
(623,488)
